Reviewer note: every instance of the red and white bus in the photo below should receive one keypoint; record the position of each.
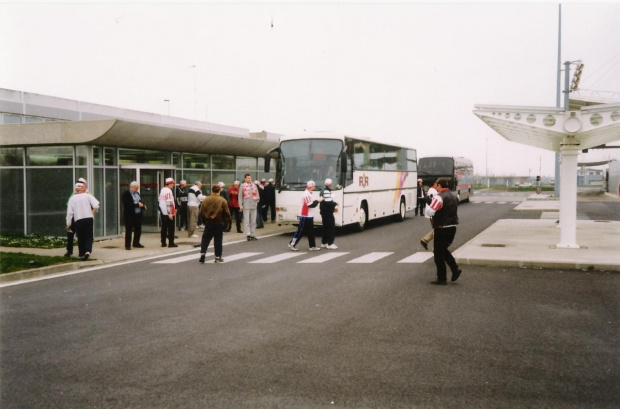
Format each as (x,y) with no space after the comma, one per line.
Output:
(370,179)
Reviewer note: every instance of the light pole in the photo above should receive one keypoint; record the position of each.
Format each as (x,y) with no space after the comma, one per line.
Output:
(168,102)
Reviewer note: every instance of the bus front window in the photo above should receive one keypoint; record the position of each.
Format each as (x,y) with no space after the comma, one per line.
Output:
(310,159)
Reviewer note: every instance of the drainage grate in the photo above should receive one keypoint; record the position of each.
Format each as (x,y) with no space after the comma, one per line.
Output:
(493,245)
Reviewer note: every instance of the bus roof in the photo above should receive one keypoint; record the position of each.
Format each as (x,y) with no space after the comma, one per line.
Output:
(339,136)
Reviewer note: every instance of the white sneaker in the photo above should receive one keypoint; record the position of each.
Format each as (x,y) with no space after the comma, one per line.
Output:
(193,236)
(293,248)
(332,247)
(323,246)
(314,248)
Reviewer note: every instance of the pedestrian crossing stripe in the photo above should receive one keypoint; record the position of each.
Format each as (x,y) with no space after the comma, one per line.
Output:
(514,203)
(370,257)
(420,257)
(416,258)
(277,257)
(324,257)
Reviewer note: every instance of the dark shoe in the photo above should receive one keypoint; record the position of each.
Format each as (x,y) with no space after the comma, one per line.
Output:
(218,260)
(173,245)
(456,275)
(424,244)
(138,246)
(176,237)
(68,254)
(86,255)
(164,245)
(127,248)
(239,231)
(202,259)
(253,237)
(249,238)
(437,282)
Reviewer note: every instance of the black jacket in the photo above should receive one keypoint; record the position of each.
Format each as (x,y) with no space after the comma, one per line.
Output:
(129,207)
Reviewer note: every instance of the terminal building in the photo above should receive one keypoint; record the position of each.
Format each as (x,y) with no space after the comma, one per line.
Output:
(47,143)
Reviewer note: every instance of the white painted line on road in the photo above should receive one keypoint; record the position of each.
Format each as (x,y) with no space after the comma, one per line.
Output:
(240,256)
(370,257)
(276,258)
(324,257)
(419,257)
(178,259)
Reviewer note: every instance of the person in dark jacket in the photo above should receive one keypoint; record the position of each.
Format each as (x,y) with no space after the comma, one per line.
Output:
(326,209)
(133,208)
(216,217)
(443,210)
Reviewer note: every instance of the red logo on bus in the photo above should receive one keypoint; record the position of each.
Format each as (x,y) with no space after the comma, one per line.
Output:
(363,180)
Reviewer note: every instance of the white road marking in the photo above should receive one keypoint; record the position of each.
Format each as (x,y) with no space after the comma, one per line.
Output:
(324,257)
(370,257)
(277,258)
(419,257)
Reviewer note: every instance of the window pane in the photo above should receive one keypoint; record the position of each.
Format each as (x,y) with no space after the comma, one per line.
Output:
(203,176)
(143,156)
(244,163)
(223,161)
(110,156)
(12,201)
(97,156)
(32,120)
(176,159)
(111,202)
(195,161)
(48,191)
(11,156)
(81,155)
(227,177)
(50,156)
(96,187)
(11,119)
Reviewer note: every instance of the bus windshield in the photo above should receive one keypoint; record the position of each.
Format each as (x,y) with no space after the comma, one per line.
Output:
(435,166)
(309,159)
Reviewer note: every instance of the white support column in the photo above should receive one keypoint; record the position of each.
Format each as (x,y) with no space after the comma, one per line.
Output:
(568,194)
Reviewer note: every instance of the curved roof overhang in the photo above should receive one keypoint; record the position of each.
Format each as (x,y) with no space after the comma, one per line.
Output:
(222,140)
(547,128)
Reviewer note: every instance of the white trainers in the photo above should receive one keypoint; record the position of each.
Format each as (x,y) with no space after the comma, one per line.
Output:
(332,247)
(193,236)
(323,246)
(314,248)
(293,248)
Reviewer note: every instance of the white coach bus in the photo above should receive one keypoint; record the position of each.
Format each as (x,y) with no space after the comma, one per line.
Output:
(370,179)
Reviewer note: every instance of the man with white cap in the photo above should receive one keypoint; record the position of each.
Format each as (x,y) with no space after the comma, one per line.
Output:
(306,219)
(194,197)
(167,210)
(327,215)
(81,210)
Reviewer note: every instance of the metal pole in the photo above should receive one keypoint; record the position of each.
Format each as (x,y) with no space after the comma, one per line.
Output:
(556,187)
(566,84)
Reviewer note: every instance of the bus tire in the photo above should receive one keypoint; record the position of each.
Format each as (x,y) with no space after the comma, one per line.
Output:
(363,218)
(402,209)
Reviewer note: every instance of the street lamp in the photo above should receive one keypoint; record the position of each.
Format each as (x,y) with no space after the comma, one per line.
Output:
(168,102)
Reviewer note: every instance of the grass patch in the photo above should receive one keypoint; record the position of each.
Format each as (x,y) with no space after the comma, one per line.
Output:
(34,241)
(11,262)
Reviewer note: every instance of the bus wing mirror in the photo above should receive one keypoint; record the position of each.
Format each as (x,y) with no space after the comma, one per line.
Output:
(267,162)
(343,162)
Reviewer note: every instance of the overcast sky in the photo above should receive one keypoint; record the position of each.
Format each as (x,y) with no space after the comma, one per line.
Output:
(402,72)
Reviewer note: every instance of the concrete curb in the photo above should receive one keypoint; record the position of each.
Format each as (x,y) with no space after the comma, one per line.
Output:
(43,271)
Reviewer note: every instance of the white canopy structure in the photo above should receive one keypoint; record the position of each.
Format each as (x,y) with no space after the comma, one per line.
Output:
(566,132)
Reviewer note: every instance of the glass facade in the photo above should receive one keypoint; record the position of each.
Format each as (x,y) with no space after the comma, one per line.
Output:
(38,181)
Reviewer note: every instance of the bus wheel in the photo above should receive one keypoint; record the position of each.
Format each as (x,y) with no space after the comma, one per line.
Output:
(402,210)
(363,218)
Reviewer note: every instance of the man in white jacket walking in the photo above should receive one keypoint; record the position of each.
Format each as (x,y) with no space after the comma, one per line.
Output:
(81,209)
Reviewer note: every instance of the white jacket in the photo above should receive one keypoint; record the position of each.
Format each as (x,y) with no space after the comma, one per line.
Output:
(194,199)
(80,207)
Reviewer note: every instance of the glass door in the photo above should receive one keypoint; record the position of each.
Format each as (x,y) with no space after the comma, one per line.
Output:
(151,181)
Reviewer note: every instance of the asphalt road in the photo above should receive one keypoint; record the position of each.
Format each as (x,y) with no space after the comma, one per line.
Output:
(294,333)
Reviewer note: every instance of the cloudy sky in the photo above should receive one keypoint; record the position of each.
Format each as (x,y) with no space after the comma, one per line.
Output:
(405,72)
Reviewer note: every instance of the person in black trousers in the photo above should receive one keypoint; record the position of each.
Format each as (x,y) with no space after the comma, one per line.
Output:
(443,210)
(132,211)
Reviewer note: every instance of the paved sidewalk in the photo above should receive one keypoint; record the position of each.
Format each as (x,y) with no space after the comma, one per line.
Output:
(532,243)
